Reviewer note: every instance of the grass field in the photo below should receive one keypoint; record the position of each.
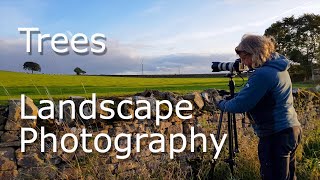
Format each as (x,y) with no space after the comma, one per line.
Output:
(40,86)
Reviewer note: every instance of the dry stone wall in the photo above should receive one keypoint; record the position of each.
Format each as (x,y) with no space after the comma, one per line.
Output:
(35,164)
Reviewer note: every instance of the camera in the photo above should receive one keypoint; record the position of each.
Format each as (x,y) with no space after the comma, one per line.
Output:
(236,66)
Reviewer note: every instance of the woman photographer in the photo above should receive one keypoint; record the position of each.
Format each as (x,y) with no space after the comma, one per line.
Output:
(267,97)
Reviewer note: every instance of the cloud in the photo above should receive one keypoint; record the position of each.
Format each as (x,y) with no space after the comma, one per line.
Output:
(151,10)
(161,36)
(210,24)
(185,63)
(120,59)
(286,12)
(117,59)
(14,14)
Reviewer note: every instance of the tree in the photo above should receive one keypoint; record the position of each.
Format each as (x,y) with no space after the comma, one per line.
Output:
(299,40)
(79,71)
(31,66)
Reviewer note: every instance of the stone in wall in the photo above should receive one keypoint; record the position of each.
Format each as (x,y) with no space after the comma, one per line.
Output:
(99,110)
(10,136)
(3,114)
(196,98)
(13,136)
(14,122)
(126,109)
(30,158)
(164,126)
(7,159)
(77,100)
(174,129)
(67,112)
(208,99)
(173,98)
(152,102)
(3,119)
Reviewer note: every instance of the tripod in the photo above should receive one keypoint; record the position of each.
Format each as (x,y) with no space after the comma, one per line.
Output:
(232,131)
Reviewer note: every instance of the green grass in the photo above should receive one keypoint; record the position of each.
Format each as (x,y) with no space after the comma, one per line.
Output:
(62,86)
(38,86)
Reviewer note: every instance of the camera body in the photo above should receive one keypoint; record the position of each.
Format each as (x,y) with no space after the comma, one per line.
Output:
(236,66)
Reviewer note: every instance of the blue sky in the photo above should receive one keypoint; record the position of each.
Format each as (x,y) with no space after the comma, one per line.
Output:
(166,34)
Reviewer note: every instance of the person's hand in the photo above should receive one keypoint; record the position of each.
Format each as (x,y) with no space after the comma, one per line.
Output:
(216,97)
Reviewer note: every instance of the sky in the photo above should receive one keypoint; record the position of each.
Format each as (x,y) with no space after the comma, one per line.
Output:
(169,37)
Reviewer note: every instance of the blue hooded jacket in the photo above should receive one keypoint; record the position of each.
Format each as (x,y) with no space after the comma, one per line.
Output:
(267,97)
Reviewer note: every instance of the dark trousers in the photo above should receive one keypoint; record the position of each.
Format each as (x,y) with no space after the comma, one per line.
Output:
(277,154)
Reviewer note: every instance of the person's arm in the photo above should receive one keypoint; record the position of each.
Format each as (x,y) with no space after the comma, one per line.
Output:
(249,96)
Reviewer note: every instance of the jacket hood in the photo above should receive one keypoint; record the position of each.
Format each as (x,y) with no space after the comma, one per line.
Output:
(278,61)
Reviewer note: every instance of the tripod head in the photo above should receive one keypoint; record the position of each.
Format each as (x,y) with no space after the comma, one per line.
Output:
(231,75)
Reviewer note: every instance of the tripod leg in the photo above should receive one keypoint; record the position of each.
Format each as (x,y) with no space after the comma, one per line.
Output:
(230,133)
(219,125)
(236,145)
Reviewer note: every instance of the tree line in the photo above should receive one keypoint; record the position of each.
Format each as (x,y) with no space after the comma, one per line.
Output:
(33,66)
(298,39)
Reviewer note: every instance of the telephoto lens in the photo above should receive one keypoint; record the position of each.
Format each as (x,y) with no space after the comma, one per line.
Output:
(236,66)
(219,66)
